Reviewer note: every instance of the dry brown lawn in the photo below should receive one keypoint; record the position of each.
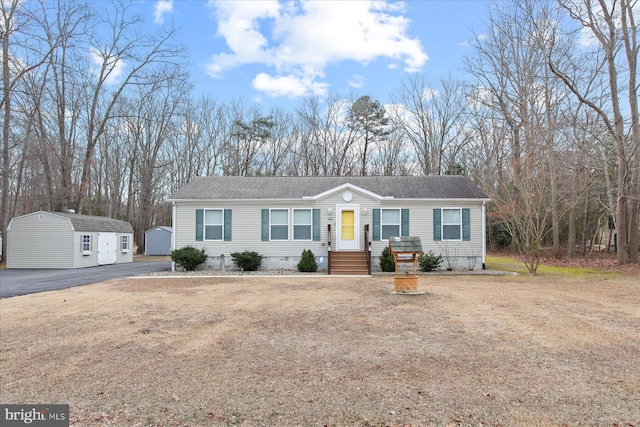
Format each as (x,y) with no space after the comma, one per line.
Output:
(335,351)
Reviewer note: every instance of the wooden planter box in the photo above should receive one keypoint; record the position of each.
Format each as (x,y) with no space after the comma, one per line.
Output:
(405,283)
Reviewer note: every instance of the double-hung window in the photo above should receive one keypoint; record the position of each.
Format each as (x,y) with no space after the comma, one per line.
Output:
(451,224)
(389,223)
(276,224)
(279,224)
(124,244)
(302,223)
(213,224)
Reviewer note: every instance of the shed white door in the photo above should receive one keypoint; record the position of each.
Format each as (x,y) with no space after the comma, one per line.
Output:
(348,228)
(107,246)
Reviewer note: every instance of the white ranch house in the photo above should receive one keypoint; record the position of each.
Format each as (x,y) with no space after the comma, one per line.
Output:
(345,221)
(67,240)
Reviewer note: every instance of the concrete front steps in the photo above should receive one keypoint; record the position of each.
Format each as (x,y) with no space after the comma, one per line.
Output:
(352,263)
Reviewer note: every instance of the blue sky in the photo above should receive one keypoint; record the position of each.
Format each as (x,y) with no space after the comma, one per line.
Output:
(276,53)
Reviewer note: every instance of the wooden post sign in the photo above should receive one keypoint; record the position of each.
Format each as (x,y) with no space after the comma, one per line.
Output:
(405,250)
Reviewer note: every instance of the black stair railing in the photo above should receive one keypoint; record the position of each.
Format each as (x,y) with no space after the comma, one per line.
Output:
(329,249)
(367,247)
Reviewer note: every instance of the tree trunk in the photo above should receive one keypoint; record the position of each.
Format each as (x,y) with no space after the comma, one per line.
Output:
(555,214)
(6,128)
(572,232)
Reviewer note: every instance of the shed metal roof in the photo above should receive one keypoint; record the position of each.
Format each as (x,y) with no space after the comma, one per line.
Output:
(160,228)
(296,187)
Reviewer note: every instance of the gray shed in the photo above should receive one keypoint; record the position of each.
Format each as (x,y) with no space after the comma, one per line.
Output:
(67,240)
(158,241)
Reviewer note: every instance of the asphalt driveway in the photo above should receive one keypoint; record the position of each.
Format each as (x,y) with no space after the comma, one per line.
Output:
(28,281)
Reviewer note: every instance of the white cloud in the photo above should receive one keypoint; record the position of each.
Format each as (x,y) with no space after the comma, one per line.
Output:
(356,81)
(290,85)
(429,94)
(480,38)
(300,39)
(587,39)
(162,8)
(595,16)
(479,98)
(238,23)
(113,70)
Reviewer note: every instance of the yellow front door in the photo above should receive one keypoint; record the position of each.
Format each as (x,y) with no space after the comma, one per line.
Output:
(348,225)
(347,234)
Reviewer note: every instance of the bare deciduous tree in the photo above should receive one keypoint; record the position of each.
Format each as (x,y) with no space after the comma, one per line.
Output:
(63,26)
(131,53)
(515,84)
(22,53)
(612,52)
(325,144)
(277,149)
(433,118)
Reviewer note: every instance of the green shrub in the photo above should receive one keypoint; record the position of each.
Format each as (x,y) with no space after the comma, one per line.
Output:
(429,261)
(387,261)
(247,260)
(188,257)
(307,262)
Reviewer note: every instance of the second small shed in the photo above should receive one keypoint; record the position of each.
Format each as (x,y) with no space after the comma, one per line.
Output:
(158,241)
(67,240)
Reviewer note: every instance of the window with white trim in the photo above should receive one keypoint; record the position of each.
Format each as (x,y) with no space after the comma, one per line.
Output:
(389,223)
(124,244)
(85,243)
(452,224)
(279,224)
(302,223)
(213,224)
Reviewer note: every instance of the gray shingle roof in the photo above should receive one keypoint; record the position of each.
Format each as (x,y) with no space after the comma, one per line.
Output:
(405,244)
(295,187)
(96,223)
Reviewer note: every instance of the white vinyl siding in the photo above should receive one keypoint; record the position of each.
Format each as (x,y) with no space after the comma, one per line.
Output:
(41,241)
(247,224)
(80,260)
(123,256)
(47,240)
